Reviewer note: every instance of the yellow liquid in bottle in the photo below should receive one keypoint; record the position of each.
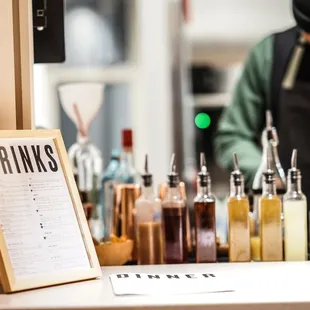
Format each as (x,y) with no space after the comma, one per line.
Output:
(271,229)
(239,229)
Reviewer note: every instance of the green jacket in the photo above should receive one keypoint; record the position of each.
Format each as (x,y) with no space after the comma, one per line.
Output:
(242,122)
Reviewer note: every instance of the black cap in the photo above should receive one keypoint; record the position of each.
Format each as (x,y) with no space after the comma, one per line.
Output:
(203,175)
(269,174)
(173,176)
(301,12)
(294,173)
(236,175)
(147,177)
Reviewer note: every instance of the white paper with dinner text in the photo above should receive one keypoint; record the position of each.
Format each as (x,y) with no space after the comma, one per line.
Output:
(37,217)
(169,284)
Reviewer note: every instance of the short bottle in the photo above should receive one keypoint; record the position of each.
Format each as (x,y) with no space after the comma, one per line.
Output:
(238,218)
(205,221)
(295,216)
(174,221)
(148,220)
(270,208)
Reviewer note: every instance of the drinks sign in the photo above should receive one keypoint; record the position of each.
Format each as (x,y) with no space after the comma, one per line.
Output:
(169,284)
(44,235)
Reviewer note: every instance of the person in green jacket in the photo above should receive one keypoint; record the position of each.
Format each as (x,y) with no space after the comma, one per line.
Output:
(276,76)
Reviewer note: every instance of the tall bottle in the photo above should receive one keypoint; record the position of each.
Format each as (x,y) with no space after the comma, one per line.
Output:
(148,220)
(126,172)
(238,218)
(205,222)
(174,221)
(270,217)
(106,194)
(295,216)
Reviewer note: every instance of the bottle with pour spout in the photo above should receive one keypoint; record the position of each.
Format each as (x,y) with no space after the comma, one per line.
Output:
(174,220)
(238,218)
(295,216)
(269,140)
(205,222)
(148,220)
(270,208)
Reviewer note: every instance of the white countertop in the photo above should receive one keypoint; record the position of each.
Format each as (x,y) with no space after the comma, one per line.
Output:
(262,286)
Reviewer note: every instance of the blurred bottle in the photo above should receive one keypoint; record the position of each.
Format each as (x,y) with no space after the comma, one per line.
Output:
(295,216)
(148,221)
(126,173)
(86,162)
(205,223)
(238,215)
(270,207)
(106,194)
(174,213)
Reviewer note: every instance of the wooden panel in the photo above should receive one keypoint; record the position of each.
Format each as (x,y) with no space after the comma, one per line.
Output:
(16,63)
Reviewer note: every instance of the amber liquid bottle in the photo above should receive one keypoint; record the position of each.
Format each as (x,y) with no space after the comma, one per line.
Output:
(205,223)
(238,219)
(174,222)
(270,208)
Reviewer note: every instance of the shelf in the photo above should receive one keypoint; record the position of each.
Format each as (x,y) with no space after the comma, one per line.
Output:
(212,100)
(122,73)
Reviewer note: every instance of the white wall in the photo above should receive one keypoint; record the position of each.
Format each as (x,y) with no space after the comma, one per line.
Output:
(237,20)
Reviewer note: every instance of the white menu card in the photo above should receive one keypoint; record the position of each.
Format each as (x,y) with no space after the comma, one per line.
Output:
(41,227)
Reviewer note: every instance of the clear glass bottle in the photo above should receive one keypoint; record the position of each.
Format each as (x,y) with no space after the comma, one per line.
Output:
(126,173)
(295,216)
(106,194)
(86,161)
(174,221)
(270,208)
(148,221)
(238,218)
(205,221)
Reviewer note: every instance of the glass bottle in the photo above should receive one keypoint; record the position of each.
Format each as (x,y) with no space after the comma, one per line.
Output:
(238,218)
(106,194)
(126,173)
(86,161)
(148,220)
(205,222)
(295,216)
(174,221)
(270,217)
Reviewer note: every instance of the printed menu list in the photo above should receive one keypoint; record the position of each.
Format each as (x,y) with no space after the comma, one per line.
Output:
(37,216)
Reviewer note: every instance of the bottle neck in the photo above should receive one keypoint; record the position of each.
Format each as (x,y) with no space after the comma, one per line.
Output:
(147,191)
(127,156)
(236,189)
(204,190)
(173,192)
(269,188)
(294,187)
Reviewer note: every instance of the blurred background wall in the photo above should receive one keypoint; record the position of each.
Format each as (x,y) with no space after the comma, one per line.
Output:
(159,70)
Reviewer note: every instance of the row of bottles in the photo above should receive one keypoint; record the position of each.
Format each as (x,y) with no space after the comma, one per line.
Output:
(162,224)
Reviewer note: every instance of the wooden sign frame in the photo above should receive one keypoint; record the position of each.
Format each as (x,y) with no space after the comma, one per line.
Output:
(9,281)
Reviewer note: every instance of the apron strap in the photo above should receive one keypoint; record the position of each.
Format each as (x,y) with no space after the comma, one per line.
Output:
(294,64)
(284,43)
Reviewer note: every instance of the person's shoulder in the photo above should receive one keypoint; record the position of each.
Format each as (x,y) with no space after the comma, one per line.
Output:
(265,45)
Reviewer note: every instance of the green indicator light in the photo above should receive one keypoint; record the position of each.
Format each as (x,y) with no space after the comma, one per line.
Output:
(202,120)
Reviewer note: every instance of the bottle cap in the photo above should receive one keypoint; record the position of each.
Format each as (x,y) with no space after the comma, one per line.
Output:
(237,175)
(269,173)
(294,173)
(203,175)
(146,176)
(127,140)
(173,176)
